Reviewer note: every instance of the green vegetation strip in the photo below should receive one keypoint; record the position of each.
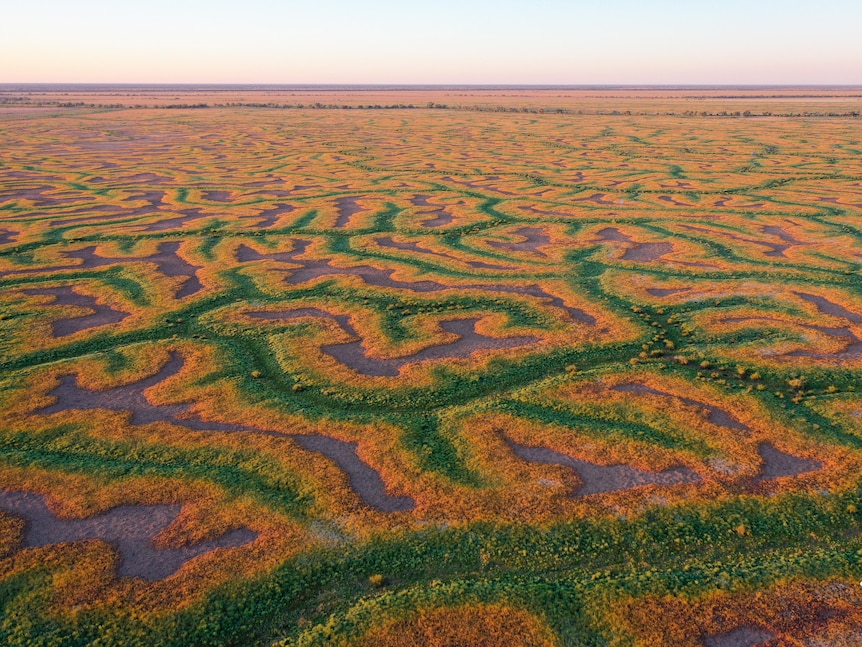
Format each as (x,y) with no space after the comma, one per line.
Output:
(567,573)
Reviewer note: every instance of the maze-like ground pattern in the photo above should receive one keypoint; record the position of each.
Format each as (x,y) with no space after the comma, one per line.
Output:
(399,376)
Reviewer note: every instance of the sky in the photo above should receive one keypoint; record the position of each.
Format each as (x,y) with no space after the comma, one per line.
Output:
(432,42)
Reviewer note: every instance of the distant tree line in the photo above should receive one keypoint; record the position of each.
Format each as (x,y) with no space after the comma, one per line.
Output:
(431,105)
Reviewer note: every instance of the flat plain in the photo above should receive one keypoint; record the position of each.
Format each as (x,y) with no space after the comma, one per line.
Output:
(444,367)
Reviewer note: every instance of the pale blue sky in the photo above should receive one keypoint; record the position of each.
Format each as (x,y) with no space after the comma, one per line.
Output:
(444,41)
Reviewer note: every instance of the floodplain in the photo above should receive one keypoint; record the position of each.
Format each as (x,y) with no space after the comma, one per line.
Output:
(388,367)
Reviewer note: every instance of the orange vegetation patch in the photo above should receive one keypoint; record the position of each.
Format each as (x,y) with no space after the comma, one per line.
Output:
(791,613)
(477,625)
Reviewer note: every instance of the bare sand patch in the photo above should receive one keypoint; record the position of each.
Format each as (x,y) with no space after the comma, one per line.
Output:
(439,216)
(597,479)
(596,198)
(347,207)
(354,355)
(826,306)
(269,217)
(130,529)
(166,259)
(311,269)
(748,636)
(613,234)
(34,195)
(217,196)
(176,222)
(363,479)
(534,238)
(647,252)
(8,236)
(102,315)
(673,201)
(777,463)
(130,397)
(481,187)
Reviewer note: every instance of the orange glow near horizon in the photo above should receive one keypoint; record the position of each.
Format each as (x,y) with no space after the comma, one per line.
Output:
(385,42)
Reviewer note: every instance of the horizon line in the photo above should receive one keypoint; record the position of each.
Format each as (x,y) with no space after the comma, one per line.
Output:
(435,86)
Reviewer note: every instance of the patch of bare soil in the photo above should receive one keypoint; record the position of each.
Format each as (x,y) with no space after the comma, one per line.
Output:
(107,211)
(246,254)
(676,185)
(130,397)
(155,204)
(777,463)
(154,198)
(269,217)
(387,241)
(534,238)
(422,201)
(543,212)
(596,198)
(673,201)
(311,269)
(838,201)
(363,479)
(167,260)
(748,636)
(8,236)
(371,275)
(27,175)
(576,314)
(482,265)
(354,355)
(597,479)
(347,207)
(440,217)
(481,187)
(281,193)
(269,181)
(614,234)
(828,307)
(217,196)
(34,195)
(851,351)
(142,178)
(778,232)
(638,252)
(647,252)
(130,529)
(175,222)
(102,315)
(118,215)
(776,250)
